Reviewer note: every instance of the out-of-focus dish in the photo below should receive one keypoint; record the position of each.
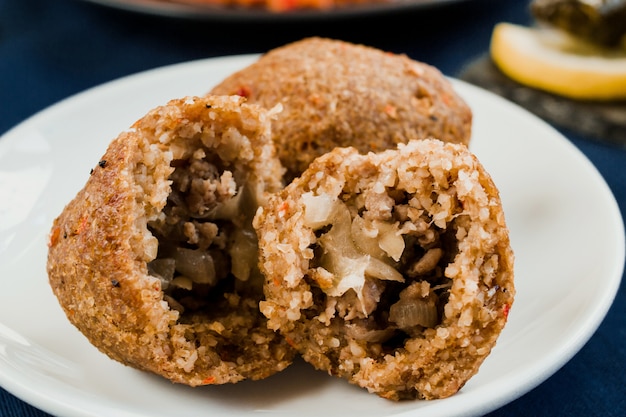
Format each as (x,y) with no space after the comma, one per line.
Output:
(568,67)
(283,6)
(576,50)
(554,61)
(600,22)
(280,10)
(46,362)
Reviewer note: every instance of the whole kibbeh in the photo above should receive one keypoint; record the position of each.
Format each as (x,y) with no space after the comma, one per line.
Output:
(336,93)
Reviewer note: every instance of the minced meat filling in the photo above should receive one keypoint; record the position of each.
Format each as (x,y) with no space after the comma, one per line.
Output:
(206,240)
(382,275)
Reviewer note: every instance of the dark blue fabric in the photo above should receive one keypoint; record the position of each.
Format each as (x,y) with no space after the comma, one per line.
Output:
(50,50)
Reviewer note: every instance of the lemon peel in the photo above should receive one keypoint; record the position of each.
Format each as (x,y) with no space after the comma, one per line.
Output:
(554,61)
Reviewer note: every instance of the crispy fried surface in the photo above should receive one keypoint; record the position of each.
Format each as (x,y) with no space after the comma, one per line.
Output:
(103,241)
(419,336)
(335,93)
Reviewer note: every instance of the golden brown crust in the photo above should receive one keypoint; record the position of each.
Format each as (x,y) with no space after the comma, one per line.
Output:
(101,244)
(419,335)
(335,93)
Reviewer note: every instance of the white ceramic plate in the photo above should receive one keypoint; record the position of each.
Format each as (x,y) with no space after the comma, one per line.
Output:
(181,9)
(565,225)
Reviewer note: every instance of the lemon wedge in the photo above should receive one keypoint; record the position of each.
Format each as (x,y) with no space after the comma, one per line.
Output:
(554,61)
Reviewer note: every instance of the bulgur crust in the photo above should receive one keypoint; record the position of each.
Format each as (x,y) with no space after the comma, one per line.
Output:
(336,93)
(153,197)
(391,270)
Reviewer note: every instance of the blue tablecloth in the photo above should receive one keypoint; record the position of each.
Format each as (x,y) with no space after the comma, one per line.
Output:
(50,50)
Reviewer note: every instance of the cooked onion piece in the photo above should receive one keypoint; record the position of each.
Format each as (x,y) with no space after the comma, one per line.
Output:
(392,270)
(155,260)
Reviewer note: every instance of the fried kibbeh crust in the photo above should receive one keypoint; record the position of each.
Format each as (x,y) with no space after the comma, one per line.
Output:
(155,259)
(336,93)
(391,270)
